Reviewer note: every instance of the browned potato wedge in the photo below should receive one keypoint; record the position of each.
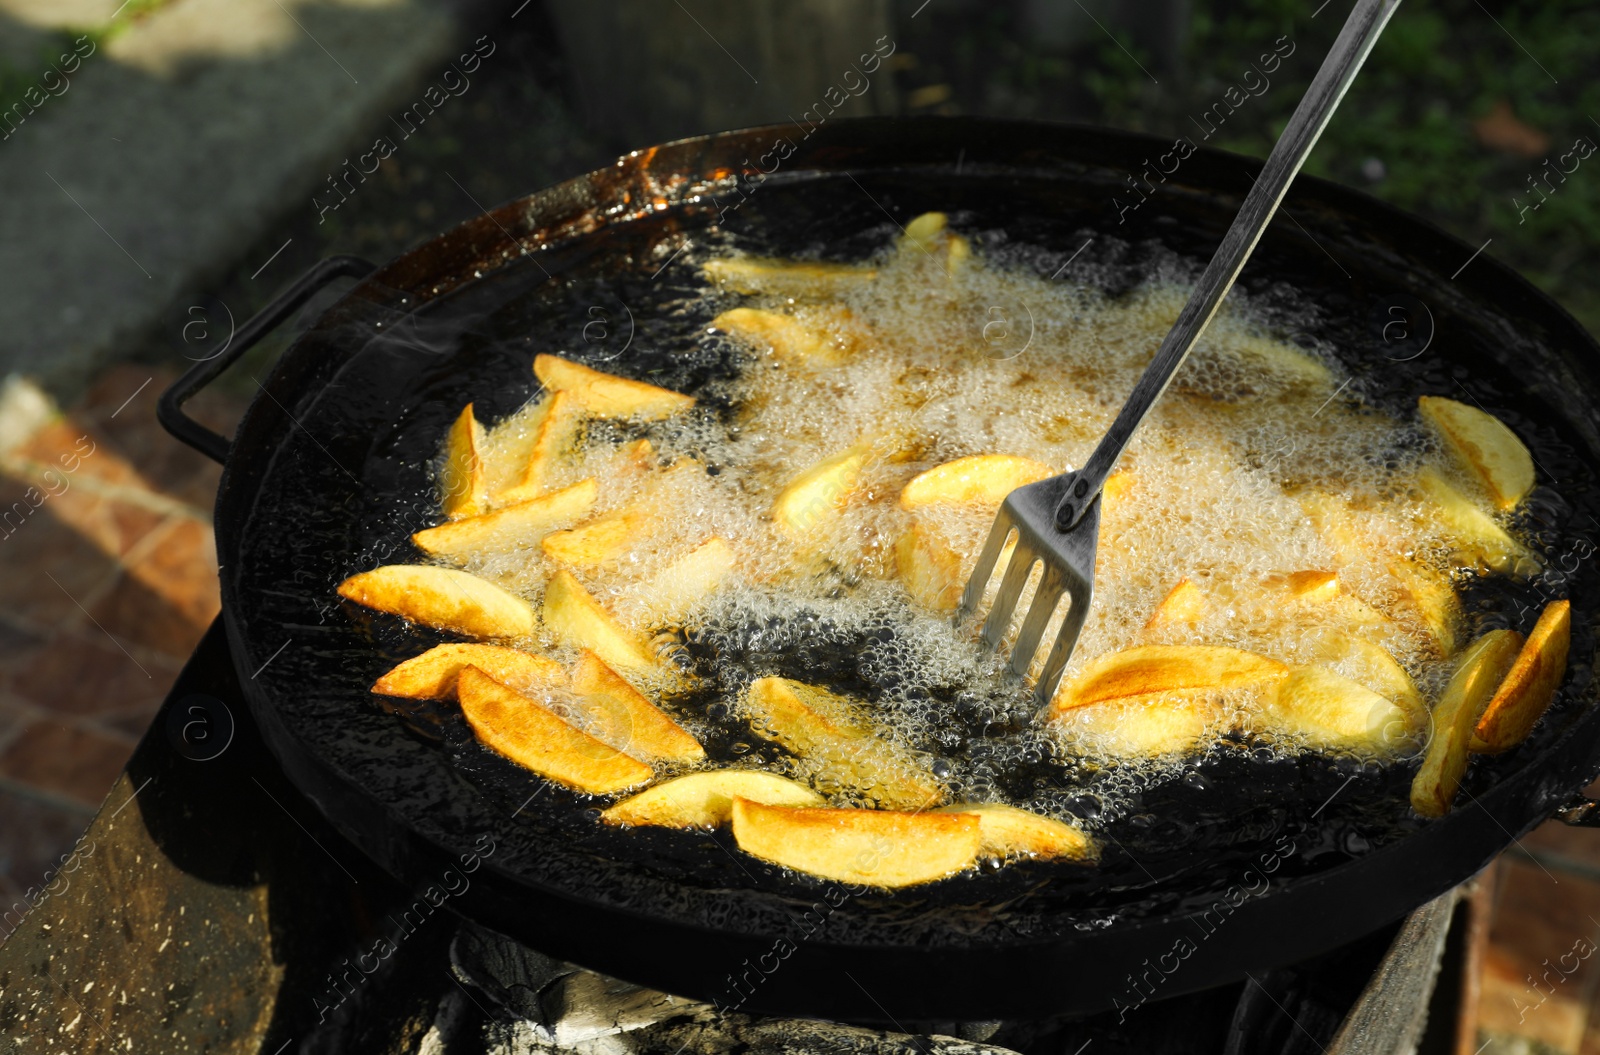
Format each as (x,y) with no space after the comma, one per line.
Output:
(524,731)
(1484,446)
(1009,832)
(558,428)
(577,619)
(705,800)
(1184,603)
(442,598)
(823,337)
(1433,599)
(1168,723)
(433,675)
(1476,533)
(816,495)
(982,479)
(522,524)
(881,848)
(1531,684)
(600,540)
(929,568)
(836,745)
(461,485)
(1149,669)
(625,719)
(1483,666)
(787,278)
(689,579)
(606,395)
(1324,710)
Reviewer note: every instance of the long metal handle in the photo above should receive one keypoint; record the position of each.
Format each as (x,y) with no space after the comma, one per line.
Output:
(169,408)
(1355,40)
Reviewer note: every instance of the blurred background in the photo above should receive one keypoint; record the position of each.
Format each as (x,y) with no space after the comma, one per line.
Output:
(166,166)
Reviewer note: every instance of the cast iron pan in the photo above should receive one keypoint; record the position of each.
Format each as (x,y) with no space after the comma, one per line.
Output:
(1241,865)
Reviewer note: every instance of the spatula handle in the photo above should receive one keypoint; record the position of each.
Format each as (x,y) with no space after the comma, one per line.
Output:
(1355,40)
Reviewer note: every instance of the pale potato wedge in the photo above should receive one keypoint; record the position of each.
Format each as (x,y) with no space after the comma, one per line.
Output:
(626,720)
(1476,534)
(1323,710)
(524,731)
(552,441)
(1484,446)
(881,848)
(1148,669)
(1309,585)
(509,445)
(443,598)
(606,395)
(433,675)
(1166,724)
(599,541)
(1483,666)
(522,524)
(1009,832)
(462,487)
(1530,686)
(689,579)
(817,494)
(705,800)
(824,337)
(787,278)
(1184,603)
(1371,664)
(928,567)
(1340,528)
(1283,359)
(924,231)
(836,745)
(1433,599)
(576,619)
(982,479)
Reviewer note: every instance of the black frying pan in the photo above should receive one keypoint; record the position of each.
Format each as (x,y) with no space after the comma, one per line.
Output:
(1243,865)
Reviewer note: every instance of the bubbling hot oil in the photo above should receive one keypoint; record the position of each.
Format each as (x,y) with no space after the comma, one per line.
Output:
(991,358)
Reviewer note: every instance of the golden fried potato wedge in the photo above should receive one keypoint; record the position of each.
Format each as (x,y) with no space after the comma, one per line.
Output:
(524,731)
(1148,669)
(1307,585)
(462,487)
(573,615)
(1339,527)
(1009,832)
(552,441)
(881,848)
(982,479)
(1168,723)
(1531,684)
(1324,710)
(823,337)
(1483,666)
(1433,599)
(626,720)
(433,675)
(1476,534)
(1371,664)
(1484,446)
(689,579)
(799,279)
(606,395)
(522,524)
(705,800)
(1184,603)
(442,598)
(928,567)
(924,230)
(836,745)
(816,495)
(599,541)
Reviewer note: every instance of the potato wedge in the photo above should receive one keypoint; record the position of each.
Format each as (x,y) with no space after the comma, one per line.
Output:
(1433,599)
(606,395)
(705,800)
(1483,666)
(626,720)
(1148,669)
(442,598)
(1530,686)
(573,615)
(462,488)
(928,567)
(1475,532)
(1484,446)
(1371,665)
(1165,724)
(1306,585)
(1009,832)
(524,731)
(816,495)
(799,279)
(522,524)
(823,337)
(599,541)
(1184,603)
(836,745)
(1339,527)
(433,675)
(557,430)
(689,579)
(881,848)
(1323,710)
(982,479)
(924,231)
(1279,357)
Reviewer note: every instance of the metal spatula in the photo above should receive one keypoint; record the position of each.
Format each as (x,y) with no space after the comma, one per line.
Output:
(1057,521)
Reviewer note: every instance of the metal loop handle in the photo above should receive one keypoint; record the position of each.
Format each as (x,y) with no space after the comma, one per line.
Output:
(169,409)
